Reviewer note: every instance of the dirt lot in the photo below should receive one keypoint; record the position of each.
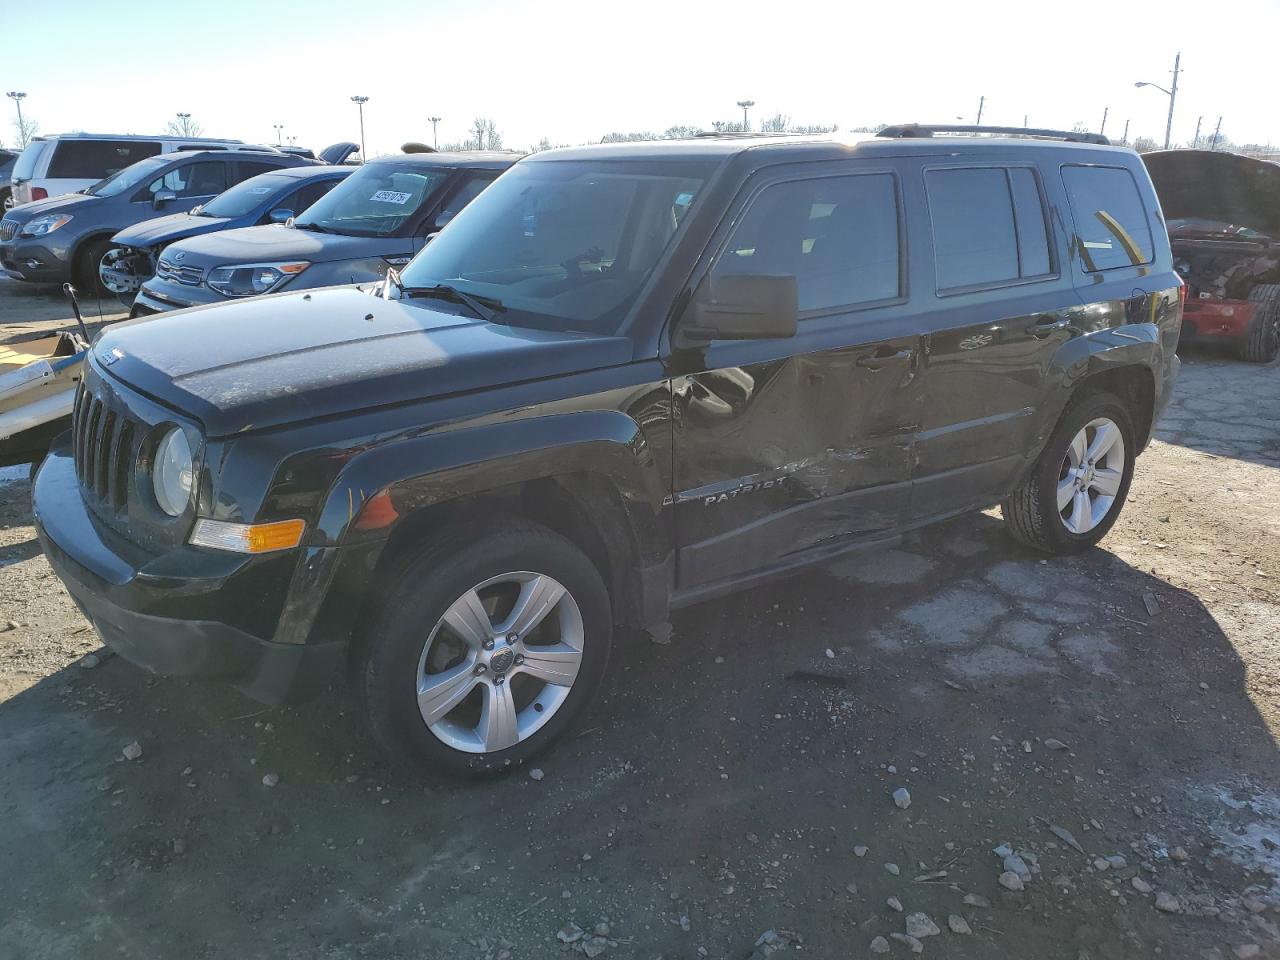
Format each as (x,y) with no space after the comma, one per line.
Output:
(1122,704)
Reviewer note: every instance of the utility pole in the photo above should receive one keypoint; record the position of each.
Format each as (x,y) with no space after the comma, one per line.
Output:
(1103,129)
(1024,121)
(1216,131)
(1195,143)
(1173,96)
(435,141)
(360,102)
(16,96)
(279,128)
(1124,137)
(982,102)
(746,105)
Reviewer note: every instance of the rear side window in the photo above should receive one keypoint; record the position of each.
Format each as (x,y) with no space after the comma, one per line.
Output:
(1112,227)
(97,159)
(251,168)
(838,236)
(988,226)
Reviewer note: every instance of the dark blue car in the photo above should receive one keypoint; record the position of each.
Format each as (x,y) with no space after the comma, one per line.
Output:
(272,197)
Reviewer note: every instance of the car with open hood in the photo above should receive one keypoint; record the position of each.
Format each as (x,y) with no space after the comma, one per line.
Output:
(273,197)
(377,218)
(624,379)
(1222,212)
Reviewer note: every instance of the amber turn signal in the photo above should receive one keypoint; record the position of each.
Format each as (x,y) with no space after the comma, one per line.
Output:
(248,537)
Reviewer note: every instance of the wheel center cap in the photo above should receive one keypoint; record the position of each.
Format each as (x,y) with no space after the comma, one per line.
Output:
(502,660)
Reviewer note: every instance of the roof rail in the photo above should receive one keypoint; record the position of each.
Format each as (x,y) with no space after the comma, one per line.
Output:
(702,134)
(909,130)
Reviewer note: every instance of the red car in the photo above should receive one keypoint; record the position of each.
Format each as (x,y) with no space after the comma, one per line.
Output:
(1222,211)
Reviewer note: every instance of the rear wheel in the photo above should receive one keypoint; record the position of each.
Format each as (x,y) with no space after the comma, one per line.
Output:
(1261,341)
(485,650)
(1078,485)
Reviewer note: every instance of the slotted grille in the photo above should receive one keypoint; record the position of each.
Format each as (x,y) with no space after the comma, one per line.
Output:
(103,443)
(8,228)
(168,270)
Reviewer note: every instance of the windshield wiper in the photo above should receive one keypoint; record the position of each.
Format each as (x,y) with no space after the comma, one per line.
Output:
(482,307)
(312,226)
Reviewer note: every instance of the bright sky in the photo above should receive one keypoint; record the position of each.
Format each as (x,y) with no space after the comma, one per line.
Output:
(574,71)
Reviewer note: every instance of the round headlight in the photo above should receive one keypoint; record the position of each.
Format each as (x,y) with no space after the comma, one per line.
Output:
(172,475)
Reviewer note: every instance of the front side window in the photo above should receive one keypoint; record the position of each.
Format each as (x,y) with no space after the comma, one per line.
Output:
(564,244)
(128,178)
(95,159)
(988,226)
(204,179)
(1112,227)
(838,236)
(462,196)
(378,200)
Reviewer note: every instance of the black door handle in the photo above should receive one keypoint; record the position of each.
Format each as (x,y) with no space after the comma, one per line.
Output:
(883,358)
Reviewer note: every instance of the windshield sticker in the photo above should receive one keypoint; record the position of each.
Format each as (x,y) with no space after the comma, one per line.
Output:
(391,196)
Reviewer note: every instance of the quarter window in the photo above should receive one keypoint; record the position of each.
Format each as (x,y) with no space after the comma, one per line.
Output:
(988,226)
(194,180)
(838,236)
(1112,227)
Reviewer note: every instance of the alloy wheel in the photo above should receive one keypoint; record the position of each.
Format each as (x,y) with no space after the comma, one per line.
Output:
(1091,475)
(500,662)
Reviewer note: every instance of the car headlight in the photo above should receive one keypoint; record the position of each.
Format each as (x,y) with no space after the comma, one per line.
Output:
(42,225)
(252,279)
(173,473)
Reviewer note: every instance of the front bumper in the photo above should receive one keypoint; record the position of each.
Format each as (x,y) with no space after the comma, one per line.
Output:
(33,262)
(158,296)
(120,595)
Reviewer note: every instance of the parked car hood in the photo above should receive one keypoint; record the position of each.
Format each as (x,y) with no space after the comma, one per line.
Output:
(294,356)
(1224,188)
(273,242)
(66,203)
(175,226)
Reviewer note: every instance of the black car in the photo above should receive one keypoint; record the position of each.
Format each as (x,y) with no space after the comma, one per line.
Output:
(66,237)
(625,379)
(378,218)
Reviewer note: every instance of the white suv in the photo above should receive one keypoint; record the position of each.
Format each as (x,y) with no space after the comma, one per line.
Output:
(65,163)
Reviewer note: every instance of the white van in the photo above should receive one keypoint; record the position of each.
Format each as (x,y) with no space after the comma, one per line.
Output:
(65,163)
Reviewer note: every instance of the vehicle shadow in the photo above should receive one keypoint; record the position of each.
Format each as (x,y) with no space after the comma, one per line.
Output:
(1225,407)
(719,788)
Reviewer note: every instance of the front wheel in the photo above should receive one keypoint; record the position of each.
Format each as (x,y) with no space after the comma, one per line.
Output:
(1078,485)
(485,650)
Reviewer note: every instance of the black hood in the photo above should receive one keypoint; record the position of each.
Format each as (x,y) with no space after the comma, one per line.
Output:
(275,360)
(1223,188)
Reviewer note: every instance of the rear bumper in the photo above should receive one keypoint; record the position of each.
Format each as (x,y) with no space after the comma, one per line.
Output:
(1215,319)
(120,598)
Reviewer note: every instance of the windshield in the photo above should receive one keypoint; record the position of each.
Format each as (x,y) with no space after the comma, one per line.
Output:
(129,177)
(375,201)
(564,245)
(247,196)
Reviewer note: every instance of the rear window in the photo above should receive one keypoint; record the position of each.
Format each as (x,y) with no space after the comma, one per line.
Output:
(1112,226)
(988,226)
(96,159)
(25,168)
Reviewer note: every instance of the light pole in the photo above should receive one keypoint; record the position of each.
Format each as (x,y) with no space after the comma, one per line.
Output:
(279,129)
(1102,130)
(746,105)
(435,141)
(982,102)
(1172,94)
(16,96)
(360,102)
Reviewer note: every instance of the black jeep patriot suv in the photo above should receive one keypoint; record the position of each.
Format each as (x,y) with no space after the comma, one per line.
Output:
(624,379)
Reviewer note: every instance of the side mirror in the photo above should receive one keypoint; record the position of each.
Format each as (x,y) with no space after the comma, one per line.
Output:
(161,197)
(279,215)
(741,308)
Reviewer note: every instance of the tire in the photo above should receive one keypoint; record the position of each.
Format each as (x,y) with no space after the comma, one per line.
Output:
(1032,512)
(1261,341)
(409,643)
(85,274)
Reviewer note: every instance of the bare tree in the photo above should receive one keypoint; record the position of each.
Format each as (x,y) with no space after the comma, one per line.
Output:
(485,135)
(183,126)
(1144,144)
(24,130)
(680,132)
(628,137)
(778,123)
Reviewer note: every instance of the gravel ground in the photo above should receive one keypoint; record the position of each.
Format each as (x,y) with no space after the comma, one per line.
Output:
(733,793)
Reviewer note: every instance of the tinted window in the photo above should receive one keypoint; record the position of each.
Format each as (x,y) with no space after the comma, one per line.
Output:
(309,195)
(251,168)
(247,196)
(988,226)
(375,201)
(1112,228)
(461,197)
(25,168)
(202,179)
(563,244)
(838,236)
(96,159)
